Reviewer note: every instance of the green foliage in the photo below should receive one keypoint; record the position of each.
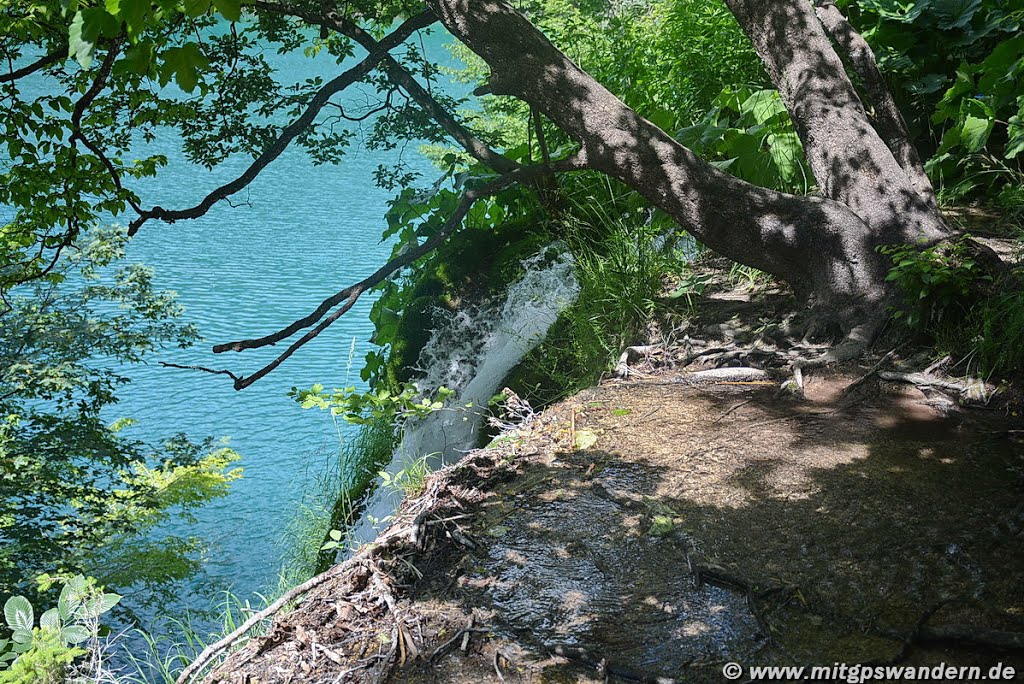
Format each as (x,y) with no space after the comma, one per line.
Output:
(750,134)
(362,456)
(958,76)
(75,491)
(623,254)
(983,116)
(42,653)
(936,281)
(362,408)
(46,660)
(998,342)
(949,298)
(193,69)
(410,479)
(747,277)
(497,234)
(667,59)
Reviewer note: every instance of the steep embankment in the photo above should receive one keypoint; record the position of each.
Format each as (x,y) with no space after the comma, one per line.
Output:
(654,530)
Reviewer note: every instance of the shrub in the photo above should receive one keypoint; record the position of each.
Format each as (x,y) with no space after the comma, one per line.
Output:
(43,653)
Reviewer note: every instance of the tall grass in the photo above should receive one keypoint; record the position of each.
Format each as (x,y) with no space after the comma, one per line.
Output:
(334,500)
(994,343)
(623,253)
(159,659)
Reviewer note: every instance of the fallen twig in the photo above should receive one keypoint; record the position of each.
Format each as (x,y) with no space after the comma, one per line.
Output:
(213,650)
(739,405)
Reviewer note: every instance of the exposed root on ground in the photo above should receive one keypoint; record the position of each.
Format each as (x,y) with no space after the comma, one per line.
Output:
(364,590)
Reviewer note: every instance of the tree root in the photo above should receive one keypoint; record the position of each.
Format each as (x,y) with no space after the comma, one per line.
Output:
(970,388)
(215,649)
(366,569)
(852,346)
(632,354)
(742,374)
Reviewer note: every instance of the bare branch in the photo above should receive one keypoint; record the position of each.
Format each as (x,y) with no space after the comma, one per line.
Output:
(87,98)
(357,118)
(348,296)
(294,129)
(401,77)
(204,369)
(77,134)
(35,66)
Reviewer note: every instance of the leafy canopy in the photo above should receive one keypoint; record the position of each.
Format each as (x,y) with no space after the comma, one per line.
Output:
(75,493)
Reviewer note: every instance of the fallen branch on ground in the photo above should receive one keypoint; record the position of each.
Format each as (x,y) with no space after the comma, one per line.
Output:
(969,387)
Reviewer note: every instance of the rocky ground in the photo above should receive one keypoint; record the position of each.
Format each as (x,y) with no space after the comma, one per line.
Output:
(653,530)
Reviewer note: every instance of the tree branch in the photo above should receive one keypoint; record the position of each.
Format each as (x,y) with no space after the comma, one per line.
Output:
(35,66)
(204,369)
(79,111)
(349,295)
(293,130)
(891,126)
(400,76)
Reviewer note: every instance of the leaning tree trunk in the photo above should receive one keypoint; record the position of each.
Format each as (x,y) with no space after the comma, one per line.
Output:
(824,247)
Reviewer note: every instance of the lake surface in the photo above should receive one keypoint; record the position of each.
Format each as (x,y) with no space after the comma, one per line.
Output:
(248,270)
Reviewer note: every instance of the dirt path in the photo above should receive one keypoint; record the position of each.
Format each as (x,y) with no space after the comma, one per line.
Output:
(695,526)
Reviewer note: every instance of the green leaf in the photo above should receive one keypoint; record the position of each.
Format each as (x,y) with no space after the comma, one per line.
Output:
(109,601)
(86,28)
(786,152)
(65,603)
(75,634)
(197,8)
(1001,64)
(1015,135)
(897,10)
(137,59)
(229,9)
(974,133)
(763,105)
(133,13)
(50,619)
(183,64)
(954,14)
(18,613)
(78,47)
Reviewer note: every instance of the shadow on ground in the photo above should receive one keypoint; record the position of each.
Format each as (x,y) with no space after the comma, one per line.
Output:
(717,524)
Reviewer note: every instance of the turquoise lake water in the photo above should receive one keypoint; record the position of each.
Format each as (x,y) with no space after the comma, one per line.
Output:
(244,271)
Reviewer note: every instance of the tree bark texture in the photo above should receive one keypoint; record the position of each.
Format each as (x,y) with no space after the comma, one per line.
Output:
(824,246)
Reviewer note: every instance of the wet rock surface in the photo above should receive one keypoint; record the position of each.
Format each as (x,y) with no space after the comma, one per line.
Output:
(722,524)
(575,564)
(657,529)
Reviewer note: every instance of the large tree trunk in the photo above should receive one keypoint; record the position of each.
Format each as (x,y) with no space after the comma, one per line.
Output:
(825,247)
